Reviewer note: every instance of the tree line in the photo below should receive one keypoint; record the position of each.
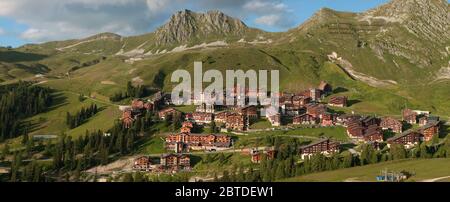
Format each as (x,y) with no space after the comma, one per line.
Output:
(132,91)
(81,116)
(17,102)
(286,163)
(70,155)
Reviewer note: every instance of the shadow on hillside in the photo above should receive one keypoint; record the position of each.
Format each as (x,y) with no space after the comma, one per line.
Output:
(59,100)
(346,146)
(444,130)
(32,126)
(352,102)
(195,160)
(407,126)
(339,90)
(15,56)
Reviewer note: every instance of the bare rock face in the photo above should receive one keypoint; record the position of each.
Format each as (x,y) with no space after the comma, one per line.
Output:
(186,25)
(415,29)
(428,19)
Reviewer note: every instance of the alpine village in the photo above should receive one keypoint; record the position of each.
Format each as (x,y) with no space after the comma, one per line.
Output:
(356,103)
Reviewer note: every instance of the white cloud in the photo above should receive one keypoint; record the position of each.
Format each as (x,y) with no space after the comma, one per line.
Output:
(2,31)
(269,20)
(49,20)
(265,6)
(271,13)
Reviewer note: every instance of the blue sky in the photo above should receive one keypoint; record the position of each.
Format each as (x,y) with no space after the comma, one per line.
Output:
(30,21)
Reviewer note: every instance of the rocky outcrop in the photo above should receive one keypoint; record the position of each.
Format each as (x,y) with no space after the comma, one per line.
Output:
(187,25)
(429,19)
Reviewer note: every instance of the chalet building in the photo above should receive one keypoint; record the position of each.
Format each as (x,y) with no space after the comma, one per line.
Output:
(370,120)
(256,155)
(315,94)
(286,98)
(327,120)
(430,130)
(251,112)
(188,117)
(305,93)
(355,129)
(408,139)
(186,129)
(275,120)
(187,124)
(198,141)
(290,109)
(389,123)
(270,153)
(409,116)
(325,88)
(142,163)
(127,119)
(137,104)
(325,146)
(364,130)
(238,122)
(316,110)
(300,101)
(166,112)
(424,120)
(346,118)
(373,133)
(205,108)
(340,101)
(304,119)
(175,161)
(202,118)
(221,117)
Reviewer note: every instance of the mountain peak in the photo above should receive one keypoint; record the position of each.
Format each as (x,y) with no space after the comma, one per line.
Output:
(425,18)
(186,25)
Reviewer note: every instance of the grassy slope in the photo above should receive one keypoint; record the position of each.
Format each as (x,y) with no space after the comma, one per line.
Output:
(423,169)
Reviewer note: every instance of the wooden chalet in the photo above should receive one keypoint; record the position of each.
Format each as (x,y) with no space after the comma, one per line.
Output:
(238,122)
(327,120)
(409,116)
(142,163)
(300,101)
(389,123)
(198,141)
(316,110)
(339,101)
(250,111)
(175,161)
(221,117)
(127,119)
(166,112)
(325,146)
(202,118)
(408,139)
(430,130)
(255,155)
(304,119)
